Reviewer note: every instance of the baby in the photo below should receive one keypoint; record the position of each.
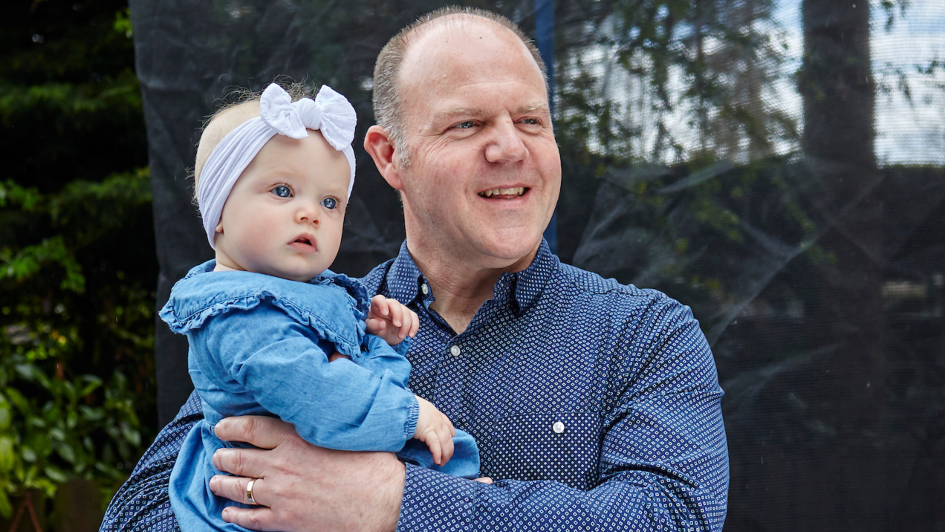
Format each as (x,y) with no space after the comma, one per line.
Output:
(263,318)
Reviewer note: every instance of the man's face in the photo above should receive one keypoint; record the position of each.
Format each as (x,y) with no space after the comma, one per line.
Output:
(485,171)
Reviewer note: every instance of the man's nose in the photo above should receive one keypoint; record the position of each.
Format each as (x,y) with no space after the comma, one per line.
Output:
(505,143)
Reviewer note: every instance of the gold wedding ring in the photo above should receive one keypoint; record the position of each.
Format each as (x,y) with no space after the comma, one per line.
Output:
(249,491)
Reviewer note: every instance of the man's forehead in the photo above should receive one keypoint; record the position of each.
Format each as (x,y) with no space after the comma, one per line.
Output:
(438,47)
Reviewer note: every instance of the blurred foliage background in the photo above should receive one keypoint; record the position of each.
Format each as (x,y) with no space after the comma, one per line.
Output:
(77,261)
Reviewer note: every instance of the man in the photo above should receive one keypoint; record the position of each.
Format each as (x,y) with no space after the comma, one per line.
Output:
(595,405)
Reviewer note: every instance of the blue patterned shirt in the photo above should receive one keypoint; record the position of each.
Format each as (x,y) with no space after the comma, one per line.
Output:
(596,406)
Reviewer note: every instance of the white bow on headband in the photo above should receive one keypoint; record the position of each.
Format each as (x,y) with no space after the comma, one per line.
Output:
(329,113)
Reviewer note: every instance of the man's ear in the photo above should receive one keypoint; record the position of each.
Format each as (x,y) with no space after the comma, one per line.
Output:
(379,146)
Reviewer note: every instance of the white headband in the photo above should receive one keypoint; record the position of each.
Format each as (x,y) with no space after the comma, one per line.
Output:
(329,113)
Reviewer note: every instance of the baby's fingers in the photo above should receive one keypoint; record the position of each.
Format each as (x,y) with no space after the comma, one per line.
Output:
(433,443)
(414,324)
(375,325)
(447,446)
(396,313)
(409,323)
(379,306)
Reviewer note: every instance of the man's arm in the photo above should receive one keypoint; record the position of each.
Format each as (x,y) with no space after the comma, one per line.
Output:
(664,463)
(142,502)
(308,487)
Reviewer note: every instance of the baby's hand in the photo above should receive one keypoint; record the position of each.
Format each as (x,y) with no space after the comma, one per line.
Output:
(391,321)
(436,430)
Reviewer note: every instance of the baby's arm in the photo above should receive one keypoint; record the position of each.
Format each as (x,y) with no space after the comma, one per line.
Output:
(277,361)
(391,320)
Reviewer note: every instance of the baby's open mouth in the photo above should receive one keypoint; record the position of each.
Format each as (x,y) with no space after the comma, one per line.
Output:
(304,243)
(503,193)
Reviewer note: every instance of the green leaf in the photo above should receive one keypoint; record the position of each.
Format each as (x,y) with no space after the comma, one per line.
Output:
(66,452)
(7,455)
(131,436)
(92,383)
(18,400)
(57,434)
(122,23)
(6,510)
(28,454)
(55,474)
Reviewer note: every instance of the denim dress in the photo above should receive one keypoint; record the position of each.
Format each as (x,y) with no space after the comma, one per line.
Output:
(259,345)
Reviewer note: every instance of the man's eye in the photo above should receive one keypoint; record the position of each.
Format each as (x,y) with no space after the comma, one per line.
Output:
(282,191)
(466,125)
(531,121)
(330,203)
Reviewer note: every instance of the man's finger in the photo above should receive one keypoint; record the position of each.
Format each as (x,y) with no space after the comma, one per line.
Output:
(235,489)
(258,518)
(262,431)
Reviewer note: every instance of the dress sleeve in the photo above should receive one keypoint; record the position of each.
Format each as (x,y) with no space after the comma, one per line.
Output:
(277,362)
(663,462)
(379,357)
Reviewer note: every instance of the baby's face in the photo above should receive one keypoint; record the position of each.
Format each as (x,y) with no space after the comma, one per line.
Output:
(285,213)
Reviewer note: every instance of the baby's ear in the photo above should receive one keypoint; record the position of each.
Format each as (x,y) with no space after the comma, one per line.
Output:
(219,227)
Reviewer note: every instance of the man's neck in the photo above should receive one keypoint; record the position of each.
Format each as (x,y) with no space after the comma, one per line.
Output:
(460,288)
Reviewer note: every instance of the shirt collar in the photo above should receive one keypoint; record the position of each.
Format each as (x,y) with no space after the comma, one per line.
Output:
(404,279)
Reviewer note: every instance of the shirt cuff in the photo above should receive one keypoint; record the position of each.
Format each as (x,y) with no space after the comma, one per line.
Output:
(411,427)
(436,501)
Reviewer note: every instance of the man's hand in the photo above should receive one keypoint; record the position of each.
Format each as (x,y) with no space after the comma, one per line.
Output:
(390,320)
(302,487)
(436,430)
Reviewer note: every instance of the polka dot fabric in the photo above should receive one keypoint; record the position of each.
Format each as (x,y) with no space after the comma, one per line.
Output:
(595,406)
(142,503)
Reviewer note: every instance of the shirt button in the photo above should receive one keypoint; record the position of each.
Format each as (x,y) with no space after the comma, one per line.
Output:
(558,427)
(455,350)
(424,289)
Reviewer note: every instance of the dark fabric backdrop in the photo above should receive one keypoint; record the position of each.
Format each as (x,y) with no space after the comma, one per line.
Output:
(776,165)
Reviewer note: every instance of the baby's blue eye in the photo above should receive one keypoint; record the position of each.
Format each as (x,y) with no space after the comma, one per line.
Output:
(330,203)
(282,191)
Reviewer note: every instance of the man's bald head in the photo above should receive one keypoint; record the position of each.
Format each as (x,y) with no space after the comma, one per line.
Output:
(388,103)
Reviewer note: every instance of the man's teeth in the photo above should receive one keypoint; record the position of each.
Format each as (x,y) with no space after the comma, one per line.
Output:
(518,191)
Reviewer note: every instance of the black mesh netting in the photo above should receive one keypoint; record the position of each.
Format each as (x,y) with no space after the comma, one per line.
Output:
(778,165)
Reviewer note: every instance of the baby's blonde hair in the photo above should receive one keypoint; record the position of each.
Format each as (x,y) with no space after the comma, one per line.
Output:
(238,107)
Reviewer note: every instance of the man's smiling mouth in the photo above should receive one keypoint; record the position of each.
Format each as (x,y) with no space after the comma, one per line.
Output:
(505,193)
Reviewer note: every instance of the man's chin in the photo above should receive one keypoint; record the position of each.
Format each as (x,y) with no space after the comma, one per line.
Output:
(514,253)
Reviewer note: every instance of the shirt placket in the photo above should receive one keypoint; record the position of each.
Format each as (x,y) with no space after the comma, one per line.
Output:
(450,379)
